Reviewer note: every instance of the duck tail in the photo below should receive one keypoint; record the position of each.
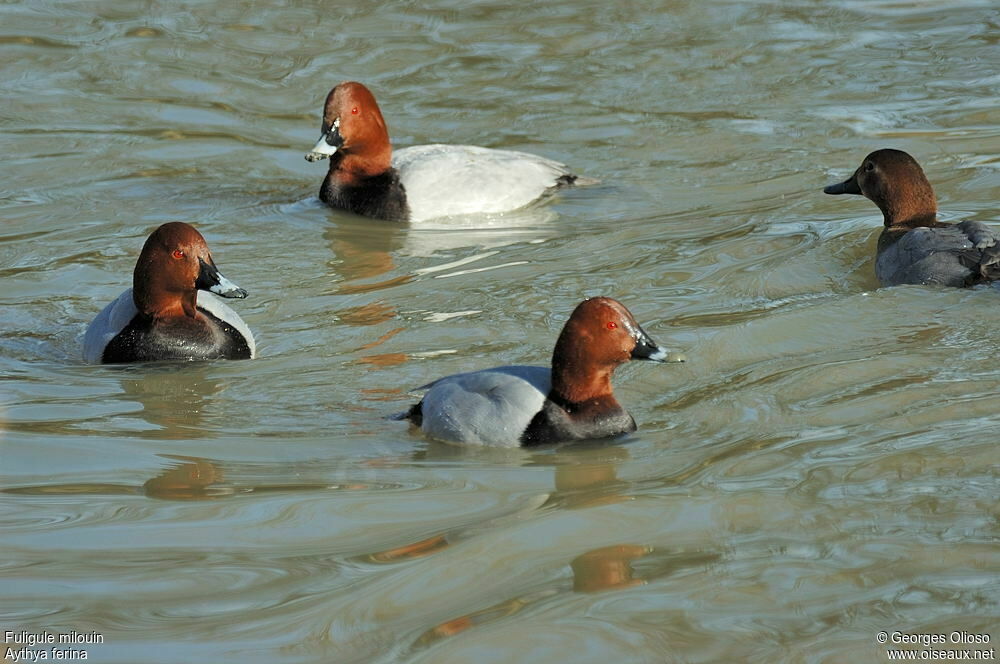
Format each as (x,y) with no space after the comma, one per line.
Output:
(573,180)
(414,413)
(989,264)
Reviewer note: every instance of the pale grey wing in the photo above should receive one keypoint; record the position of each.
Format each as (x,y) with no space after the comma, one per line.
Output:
(446,180)
(221,310)
(929,256)
(491,407)
(106,326)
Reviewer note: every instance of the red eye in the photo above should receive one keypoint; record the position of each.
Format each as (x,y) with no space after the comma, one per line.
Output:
(354,111)
(177,253)
(612,325)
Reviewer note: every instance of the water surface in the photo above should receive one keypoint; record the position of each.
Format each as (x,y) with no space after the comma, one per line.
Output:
(822,469)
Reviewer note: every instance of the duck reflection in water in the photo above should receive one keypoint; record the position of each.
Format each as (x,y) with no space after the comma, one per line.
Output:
(603,569)
(176,399)
(584,478)
(186,478)
(362,254)
(195,478)
(574,483)
(191,478)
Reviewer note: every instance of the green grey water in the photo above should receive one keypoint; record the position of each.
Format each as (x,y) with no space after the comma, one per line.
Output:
(823,468)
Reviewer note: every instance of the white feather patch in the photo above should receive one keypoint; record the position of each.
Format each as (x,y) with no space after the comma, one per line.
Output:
(106,326)
(221,310)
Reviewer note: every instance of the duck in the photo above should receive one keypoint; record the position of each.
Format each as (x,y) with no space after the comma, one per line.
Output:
(524,406)
(162,317)
(914,246)
(366,177)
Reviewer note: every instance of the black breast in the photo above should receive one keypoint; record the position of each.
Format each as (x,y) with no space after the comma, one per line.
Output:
(379,196)
(555,423)
(144,340)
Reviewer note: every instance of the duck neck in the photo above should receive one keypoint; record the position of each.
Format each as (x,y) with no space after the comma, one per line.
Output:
(159,305)
(571,412)
(579,386)
(892,218)
(915,206)
(353,165)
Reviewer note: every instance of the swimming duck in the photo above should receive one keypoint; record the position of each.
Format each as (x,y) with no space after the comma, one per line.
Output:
(520,405)
(162,316)
(914,247)
(422,182)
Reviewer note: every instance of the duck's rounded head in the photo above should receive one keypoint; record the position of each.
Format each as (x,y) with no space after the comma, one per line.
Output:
(174,263)
(602,332)
(353,125)
(599,335)
(894,181)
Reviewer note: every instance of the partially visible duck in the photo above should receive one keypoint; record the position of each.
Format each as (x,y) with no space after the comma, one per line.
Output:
(420,182)
(914,247)
(512,406)
(162,317)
